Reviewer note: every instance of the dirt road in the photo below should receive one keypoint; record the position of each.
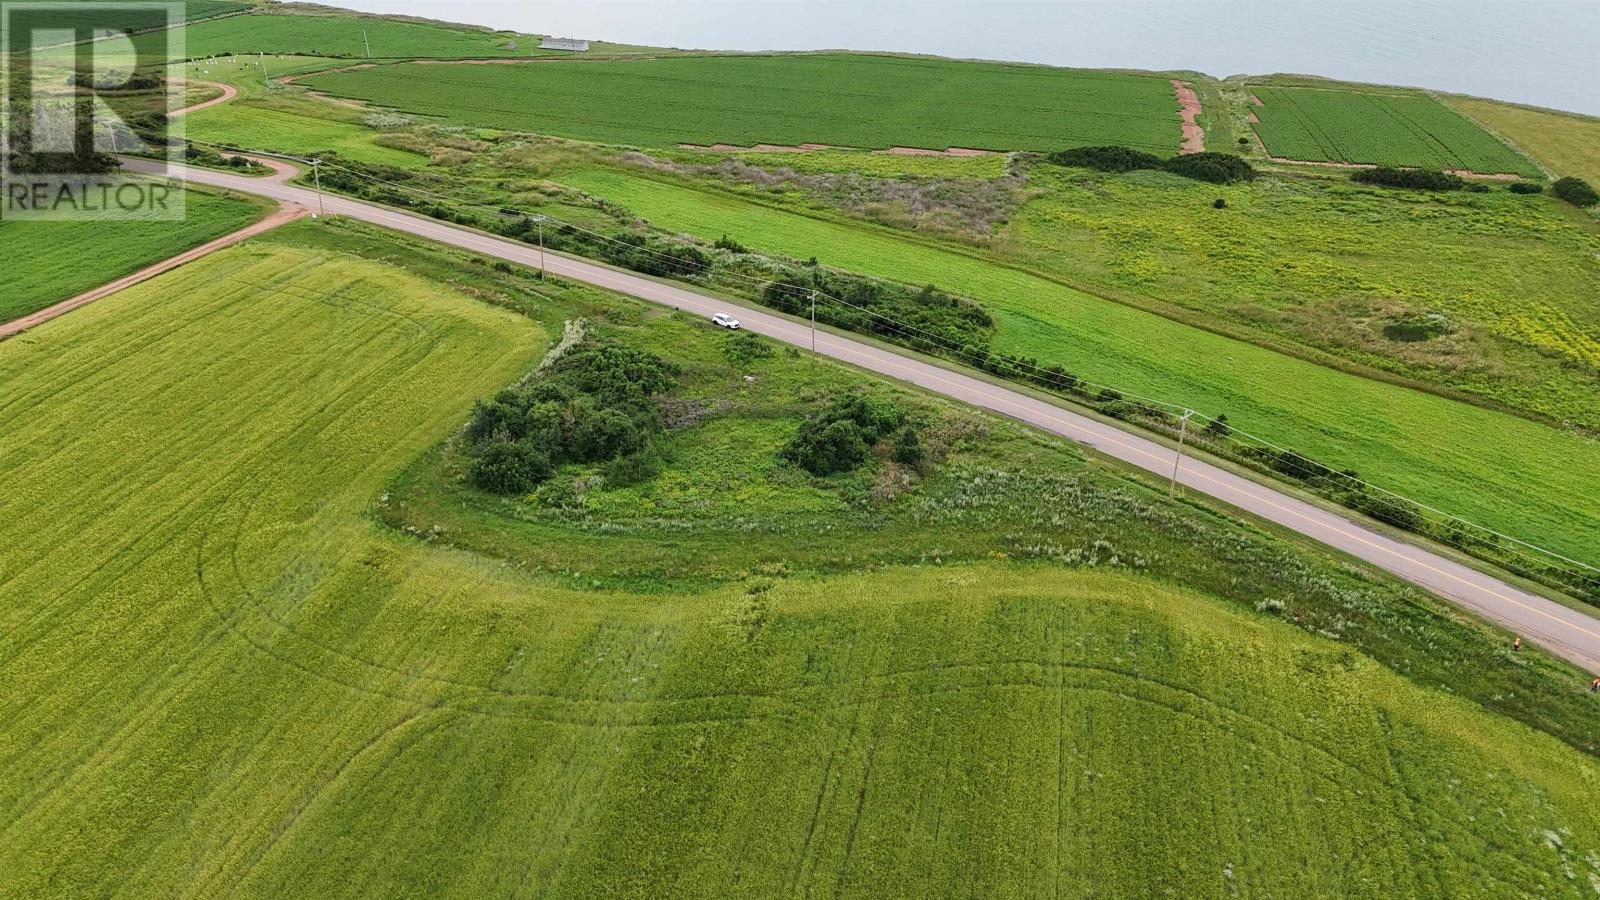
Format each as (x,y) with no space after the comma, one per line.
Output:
(228,93)
(284,213)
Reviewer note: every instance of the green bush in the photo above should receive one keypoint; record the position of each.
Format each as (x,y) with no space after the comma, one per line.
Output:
(597,435)
(1217,168)
(1525,187)
(510,468)
(1399,513)
(1106,159)
(907,447)
(635,468)
(1575,191)
(927,319)
(743,347)
(730,245)
(596,405)
(828,448)
(1413,179)
(840,438)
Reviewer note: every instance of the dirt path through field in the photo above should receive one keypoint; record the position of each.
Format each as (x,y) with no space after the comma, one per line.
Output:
(1194,137)
(285,213)
(228,93)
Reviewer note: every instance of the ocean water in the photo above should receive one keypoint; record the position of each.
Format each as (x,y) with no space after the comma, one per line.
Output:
(1542,52)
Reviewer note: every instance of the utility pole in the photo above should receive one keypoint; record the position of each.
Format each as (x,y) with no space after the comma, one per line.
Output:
(540,221)
(813,327)
(316,173)
(1183,431)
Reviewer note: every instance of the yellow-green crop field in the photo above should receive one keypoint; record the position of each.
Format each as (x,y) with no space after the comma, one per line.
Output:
(225,678)
(1568,143)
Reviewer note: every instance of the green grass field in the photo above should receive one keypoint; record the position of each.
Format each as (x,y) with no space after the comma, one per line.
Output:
(227,679)
(840,99)
(1505,472)
(270,116)
(291,132)
(1386,128)
(1329,264)
(52,261)
(349,36)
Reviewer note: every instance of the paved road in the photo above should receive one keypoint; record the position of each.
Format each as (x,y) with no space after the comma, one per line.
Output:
(1567,632)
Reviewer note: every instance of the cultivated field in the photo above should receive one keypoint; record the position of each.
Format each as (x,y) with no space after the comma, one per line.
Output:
(1383,128)
(51,261)
(349,36)
(839,99)
(1492,467)
(226,679)
(1568,143)
(859,162)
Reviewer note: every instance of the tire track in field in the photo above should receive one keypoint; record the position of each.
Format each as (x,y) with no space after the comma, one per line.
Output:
(208,886)
(233,618)
(151,711)
(100,376)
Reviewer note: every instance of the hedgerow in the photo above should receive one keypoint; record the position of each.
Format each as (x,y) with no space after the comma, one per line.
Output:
(1217,168)
(1414,179)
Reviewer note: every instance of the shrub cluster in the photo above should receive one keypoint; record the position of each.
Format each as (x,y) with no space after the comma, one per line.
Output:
(116,80)
(1106,159)
(841,437)
(1344,486)
(597,404)
(1575,191)
(1415,179)
(927,319)
(1525,187)
(205,156)
(1217,168)
(19,133)
(637,250)
(743,347)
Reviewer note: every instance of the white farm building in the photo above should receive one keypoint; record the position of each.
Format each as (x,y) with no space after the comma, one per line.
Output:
(573,44)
